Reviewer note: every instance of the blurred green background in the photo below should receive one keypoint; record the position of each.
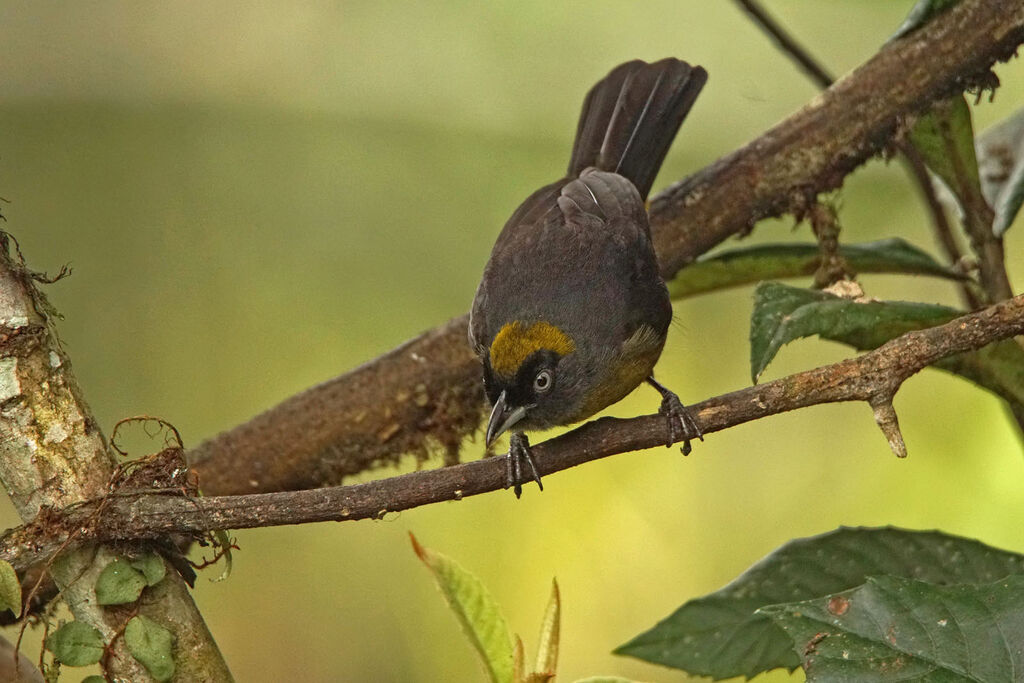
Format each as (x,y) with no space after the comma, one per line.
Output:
(259,196)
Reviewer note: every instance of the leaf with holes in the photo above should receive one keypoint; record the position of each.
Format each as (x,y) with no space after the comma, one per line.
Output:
(723,634)
(119,583)
(76,644)
(920,14)
(475,609)
(151,644)
(783,313)
(748,265)
(899,629)
(10,589)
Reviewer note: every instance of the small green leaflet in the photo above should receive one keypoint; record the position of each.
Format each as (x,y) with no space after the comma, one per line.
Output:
(119,583)
(945,139)
(547,647)
(10,589)
(724,634)
(76,644)
(151,644)
(899,629)
(476,610)
(152,567)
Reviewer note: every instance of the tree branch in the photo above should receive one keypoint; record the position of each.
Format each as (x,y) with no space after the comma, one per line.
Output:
(427,392)
(787,43)
(873,377)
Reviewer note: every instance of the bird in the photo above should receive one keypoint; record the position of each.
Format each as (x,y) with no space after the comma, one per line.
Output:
(571,313)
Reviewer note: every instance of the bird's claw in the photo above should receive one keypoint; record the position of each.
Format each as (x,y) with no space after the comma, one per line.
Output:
(682,425)
(520,464)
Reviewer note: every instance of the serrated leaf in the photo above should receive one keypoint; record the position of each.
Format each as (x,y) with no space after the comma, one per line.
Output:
(475,609)
(152,567)
(151,644)
(10,589)
(722,635)
(782,314)
(76,644)
(945,139)
(899,629)
(747,265)
(921,13)
(119,583)
(547,645)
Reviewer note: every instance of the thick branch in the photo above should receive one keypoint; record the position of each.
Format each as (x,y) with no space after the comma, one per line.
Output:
(873,377)
(428,391)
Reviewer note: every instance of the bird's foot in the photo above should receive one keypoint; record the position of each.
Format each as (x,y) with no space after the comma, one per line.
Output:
(521,467)
(681,423)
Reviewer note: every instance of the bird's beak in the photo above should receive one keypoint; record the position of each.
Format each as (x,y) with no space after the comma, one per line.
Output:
(502,418)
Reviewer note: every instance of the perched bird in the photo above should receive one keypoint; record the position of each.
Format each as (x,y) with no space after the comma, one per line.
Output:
(571,313)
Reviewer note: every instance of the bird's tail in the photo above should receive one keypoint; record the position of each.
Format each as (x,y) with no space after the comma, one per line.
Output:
(631,116)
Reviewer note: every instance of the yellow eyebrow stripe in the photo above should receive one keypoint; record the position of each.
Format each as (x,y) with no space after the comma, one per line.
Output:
(515,342)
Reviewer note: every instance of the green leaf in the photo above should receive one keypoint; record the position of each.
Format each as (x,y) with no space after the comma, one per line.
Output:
(1009,200)
(94,679)
(722,634)
(945,139)
(152,567)
(547,647)
(606,679)
(782,314)
(76,644)
(223,544)
(476,610)
(899,629)
(999,149)
(10,589)
(747,265)
(119,583)
(920,14)
(150,643)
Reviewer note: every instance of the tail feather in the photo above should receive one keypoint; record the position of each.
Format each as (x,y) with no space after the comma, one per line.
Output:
(630,118)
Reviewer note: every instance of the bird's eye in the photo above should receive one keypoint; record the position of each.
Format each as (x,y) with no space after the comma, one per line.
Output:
(542,382)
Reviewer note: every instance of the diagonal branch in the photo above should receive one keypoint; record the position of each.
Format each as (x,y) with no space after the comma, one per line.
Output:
(873,377)
(427,392)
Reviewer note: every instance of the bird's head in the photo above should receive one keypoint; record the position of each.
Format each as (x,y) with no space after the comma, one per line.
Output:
(527,376)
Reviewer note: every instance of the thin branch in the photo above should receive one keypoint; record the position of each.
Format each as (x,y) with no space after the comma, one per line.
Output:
(873,377)
(428,392)
(787,43)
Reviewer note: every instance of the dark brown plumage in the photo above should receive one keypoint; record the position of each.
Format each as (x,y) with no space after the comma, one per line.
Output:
(571,314)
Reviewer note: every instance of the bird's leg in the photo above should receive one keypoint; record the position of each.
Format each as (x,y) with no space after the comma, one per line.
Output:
(681,424)
(520,464)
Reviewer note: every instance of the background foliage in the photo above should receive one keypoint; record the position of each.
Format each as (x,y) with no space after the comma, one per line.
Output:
(256,198)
